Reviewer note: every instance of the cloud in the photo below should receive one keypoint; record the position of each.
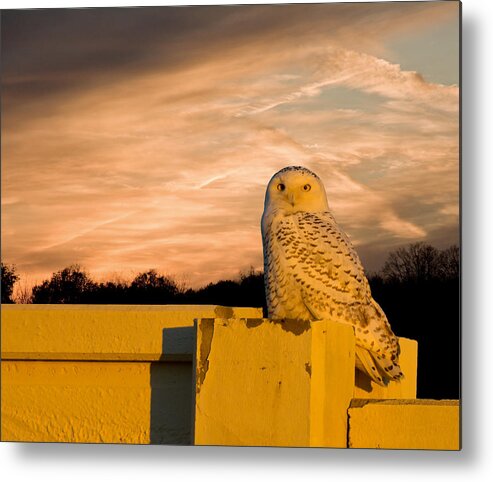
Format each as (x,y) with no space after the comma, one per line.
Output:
(355,70)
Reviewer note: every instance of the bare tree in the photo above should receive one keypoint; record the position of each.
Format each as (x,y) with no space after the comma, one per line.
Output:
(450,263)
(23,292)
(416,262)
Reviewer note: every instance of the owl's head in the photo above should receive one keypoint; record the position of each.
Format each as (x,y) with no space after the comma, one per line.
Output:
(294,189)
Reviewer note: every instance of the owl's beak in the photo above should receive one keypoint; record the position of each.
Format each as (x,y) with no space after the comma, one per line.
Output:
(291,199)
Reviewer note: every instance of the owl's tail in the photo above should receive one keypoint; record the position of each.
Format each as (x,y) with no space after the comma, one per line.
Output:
(380,370)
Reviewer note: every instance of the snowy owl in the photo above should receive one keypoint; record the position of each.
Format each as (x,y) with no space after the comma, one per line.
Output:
(312,271)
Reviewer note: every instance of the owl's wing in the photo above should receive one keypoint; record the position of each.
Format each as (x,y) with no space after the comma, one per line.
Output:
(333,285)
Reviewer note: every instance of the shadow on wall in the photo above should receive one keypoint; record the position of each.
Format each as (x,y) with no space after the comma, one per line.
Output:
(172,390)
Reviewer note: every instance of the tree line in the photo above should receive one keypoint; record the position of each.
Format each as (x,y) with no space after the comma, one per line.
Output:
(418,288)
(73,285)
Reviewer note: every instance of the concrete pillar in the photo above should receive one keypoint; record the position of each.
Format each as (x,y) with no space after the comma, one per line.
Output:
(266,383)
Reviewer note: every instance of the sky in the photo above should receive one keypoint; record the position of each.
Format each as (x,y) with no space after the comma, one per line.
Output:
(145,138)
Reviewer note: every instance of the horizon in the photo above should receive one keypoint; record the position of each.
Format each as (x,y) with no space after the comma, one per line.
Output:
(127,155)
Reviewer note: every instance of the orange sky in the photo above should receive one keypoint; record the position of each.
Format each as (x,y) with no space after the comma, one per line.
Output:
(144,138)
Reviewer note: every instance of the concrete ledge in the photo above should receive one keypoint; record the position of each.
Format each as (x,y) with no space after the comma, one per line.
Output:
(404,424)
(102,332)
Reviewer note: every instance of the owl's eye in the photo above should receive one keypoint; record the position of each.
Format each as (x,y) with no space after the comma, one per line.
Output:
(306,187)
(281,187)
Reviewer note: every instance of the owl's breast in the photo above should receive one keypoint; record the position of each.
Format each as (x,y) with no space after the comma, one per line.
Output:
(283,291)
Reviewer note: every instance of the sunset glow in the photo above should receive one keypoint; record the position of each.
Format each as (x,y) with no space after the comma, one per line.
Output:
(145,138)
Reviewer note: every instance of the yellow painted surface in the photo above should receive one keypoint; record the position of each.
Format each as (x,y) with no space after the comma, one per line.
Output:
(332,383)
(405,389)
(108,402)
(124,374)
(99,332)
(404,424)
(100,373)
(268,383)
(75,402)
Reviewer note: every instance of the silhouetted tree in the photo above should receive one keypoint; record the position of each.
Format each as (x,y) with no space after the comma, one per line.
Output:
(449,263)
(248,290)
(23,292)
(110,293)
(151,288)
(217,293)
(253,289)
(417,262)
(70,285)
(9,278)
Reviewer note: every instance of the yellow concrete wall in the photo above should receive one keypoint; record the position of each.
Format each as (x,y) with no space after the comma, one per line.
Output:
(148,374)
(110,402)
(76,401)
(268,383)
(404,424)
(115,374)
